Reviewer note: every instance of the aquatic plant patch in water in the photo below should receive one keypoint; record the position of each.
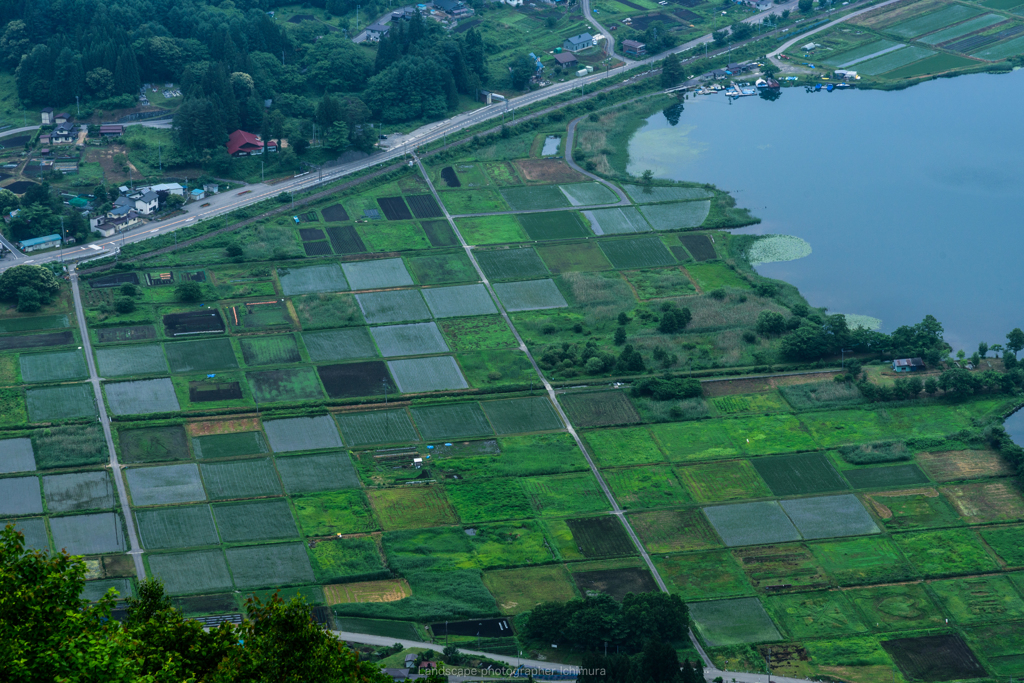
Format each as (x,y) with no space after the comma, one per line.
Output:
(776,248)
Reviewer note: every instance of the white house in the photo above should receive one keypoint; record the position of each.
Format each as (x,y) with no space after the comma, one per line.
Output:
(147,203)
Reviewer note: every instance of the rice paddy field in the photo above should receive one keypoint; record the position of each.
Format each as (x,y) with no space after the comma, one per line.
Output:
(369,431)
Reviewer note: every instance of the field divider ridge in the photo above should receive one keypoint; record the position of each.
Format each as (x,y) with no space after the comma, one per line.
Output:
(616,509)
(115,467)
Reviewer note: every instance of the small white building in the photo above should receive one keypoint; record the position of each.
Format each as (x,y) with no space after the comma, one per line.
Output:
(580,42)
(47,116)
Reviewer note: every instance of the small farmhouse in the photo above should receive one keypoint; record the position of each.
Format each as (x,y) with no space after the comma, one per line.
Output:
(47,116)
(907,364)
(566,60)
(146,203)
(580,42)
(111,130)
(634,48)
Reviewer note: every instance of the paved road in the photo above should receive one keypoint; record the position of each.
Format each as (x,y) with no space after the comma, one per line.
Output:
(398,146)
(709,673)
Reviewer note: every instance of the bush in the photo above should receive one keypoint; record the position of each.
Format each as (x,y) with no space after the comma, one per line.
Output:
(188,292)
(29,300)
(124,304)
(233,250)
(667,388)
(867,454)
(673,319)
(128,289)
(770,323)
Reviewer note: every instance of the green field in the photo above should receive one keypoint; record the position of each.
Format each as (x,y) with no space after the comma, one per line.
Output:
(711,276)
(703,575)
(664,531)
(894,60)
(733,622)
(557,225)
(897,608)
(856,561)
(646,487)
(723,481)
(412,508)
(488,500)
(617,447)
(565,494)
(945,553)
(477,333)
(491,229)
(815,615)
(791,475)
(334,512)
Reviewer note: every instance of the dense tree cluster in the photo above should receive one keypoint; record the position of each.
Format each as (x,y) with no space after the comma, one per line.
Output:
(229,59)
(47,633)
(813,336)
(32,287)
(587,624)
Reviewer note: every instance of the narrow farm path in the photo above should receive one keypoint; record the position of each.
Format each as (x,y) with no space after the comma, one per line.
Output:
(616,510)
(115,467)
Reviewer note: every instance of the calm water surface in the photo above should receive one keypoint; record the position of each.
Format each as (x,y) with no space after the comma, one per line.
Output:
(913,201)
(1015,427)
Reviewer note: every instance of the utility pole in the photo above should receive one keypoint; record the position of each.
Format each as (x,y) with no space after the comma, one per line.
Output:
(261,171)
(358,7)
(62,238)
(77,107)
(160,155)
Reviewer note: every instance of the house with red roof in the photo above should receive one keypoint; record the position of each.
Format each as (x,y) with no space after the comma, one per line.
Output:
(242,144)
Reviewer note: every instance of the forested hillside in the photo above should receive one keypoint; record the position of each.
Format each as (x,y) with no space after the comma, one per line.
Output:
(231,57)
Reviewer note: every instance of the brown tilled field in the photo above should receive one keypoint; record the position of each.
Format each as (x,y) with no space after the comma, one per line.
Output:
(955,465)
(548,171)
(243,424)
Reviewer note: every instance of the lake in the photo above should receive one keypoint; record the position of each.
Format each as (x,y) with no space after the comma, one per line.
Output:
(911,200)
(1015,427)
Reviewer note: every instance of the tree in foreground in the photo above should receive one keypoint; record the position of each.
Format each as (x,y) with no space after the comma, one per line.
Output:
(189,292)
(47,633)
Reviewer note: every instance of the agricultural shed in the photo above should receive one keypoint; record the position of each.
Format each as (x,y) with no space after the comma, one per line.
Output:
(36,243)
(907,364)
